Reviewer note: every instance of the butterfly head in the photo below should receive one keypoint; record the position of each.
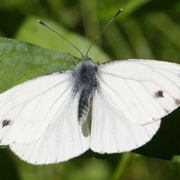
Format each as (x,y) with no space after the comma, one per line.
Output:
(85,73)
(86,59)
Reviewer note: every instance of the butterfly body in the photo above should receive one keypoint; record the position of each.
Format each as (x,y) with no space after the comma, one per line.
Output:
(85,83)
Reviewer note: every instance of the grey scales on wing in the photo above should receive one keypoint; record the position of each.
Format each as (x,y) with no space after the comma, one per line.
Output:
(85,83)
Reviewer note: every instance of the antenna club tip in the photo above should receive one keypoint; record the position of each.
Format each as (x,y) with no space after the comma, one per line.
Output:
(118,12)
(40,22)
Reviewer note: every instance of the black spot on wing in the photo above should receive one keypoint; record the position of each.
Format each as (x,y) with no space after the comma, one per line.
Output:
(5,122)
(177,101)
(159,94)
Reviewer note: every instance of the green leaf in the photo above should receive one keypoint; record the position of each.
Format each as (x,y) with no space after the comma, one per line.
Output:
(20,61)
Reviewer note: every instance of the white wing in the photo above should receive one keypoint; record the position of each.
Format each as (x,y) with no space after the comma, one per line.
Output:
(61,141)
(133,96)
(31,106)
(39,120)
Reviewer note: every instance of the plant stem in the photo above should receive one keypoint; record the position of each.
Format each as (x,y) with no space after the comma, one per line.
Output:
(122,165)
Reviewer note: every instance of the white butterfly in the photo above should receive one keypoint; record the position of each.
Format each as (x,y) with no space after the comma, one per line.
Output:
(44,120)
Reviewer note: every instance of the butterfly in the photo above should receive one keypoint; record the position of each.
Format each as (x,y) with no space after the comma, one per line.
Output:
(108,108)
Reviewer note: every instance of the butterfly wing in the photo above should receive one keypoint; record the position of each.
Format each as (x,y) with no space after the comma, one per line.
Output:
(39,120)
(29,107)
(132,98)
(61,140)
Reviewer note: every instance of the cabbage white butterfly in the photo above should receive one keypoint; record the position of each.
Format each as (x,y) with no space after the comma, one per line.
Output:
(44,120)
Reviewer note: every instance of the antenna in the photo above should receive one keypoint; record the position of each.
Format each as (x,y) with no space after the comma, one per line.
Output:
(48,27)
(103,30)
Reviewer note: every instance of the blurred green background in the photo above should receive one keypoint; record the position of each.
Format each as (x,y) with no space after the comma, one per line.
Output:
(147,29)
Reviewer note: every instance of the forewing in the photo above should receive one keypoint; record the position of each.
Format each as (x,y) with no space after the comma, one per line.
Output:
(143,90)
(27,109)
(132,98)
(62,140)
